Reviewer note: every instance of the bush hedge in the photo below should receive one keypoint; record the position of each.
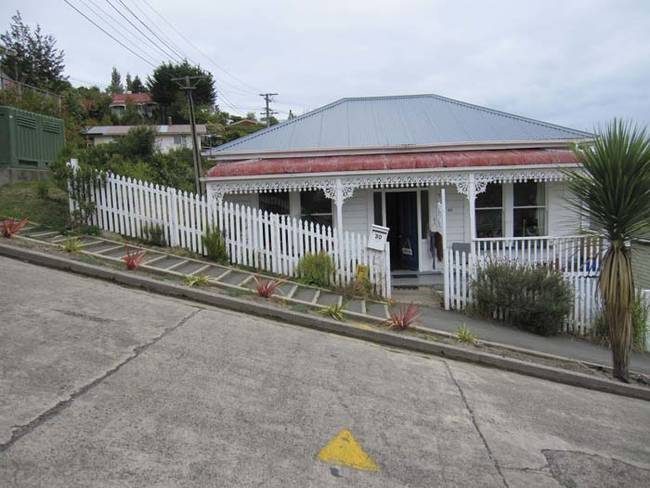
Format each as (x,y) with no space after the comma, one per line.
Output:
(316,269)
(534,299)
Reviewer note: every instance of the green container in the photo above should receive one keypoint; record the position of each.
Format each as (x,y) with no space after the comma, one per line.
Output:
(28,140)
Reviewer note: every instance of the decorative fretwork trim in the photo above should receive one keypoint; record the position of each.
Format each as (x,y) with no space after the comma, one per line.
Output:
(405,180)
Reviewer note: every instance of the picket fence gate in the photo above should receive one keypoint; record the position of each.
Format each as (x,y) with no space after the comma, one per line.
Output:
(577,257)
(254,238)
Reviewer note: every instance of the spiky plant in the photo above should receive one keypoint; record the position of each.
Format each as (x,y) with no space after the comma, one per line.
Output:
(333,311)
(463,334)
(11,227)
(196,280)
(133,257)
(72,245)
(404,317)
(613,192)
(266,288)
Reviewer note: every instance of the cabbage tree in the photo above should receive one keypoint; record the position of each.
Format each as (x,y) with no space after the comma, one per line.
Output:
(613,192)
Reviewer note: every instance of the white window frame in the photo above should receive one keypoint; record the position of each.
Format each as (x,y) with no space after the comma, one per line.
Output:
(543,207)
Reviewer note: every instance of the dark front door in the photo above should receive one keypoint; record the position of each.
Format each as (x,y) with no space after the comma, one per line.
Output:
(402,220)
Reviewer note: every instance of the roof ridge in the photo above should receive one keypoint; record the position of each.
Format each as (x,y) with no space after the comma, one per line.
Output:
(510,115)
(473,106)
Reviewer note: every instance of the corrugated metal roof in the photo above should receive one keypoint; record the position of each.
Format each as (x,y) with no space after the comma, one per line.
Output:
(122,130)
(397,121)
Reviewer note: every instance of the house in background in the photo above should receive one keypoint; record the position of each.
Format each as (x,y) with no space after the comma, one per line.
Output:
(386,160)
(142,102)
(167,136)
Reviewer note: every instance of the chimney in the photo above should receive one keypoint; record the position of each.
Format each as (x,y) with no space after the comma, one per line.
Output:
(169,120)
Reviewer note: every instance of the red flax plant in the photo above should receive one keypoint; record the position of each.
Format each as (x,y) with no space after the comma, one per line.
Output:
(404,318)
(133,257)
(266,288)
(11,227)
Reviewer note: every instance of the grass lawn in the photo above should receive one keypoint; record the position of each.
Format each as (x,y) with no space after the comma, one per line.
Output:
(21,200)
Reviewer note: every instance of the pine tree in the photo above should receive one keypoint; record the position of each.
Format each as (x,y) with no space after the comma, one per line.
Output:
(129,83)
(137,86)
(32,57)
(116,82)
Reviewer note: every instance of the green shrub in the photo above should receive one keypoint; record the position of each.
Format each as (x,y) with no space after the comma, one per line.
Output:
(640,312)
(154,234)
(215,245)
(316,269)
(535,299)
(42,189)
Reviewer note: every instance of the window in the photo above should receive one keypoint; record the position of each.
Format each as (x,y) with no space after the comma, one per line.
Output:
(179,140)
(316,207)
(275,202)
(489,211)
(529,211)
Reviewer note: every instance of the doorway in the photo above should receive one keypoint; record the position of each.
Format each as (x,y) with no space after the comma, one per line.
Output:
(402,220)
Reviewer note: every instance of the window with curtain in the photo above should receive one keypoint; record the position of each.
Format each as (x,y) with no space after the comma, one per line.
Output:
(529,209)
(316,207)
(489,211)
(275,202)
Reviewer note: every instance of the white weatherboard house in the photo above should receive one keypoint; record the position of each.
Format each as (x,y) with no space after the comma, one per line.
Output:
(168,137)
(440,173)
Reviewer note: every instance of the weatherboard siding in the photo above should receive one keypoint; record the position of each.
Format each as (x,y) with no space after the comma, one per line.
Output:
(355,212)
(562,219)
(641,264)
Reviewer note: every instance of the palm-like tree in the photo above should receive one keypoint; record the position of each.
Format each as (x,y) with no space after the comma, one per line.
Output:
(613,192)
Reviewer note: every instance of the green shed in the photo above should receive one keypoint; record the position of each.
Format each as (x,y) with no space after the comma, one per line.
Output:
(28,140)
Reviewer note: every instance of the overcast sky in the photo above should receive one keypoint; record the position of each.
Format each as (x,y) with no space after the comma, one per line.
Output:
(575,63)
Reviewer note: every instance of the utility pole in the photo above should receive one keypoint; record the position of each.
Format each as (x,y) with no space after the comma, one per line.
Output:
(268,111)
(188,84)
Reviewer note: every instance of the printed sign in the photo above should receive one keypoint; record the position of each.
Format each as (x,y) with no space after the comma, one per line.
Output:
(377,238)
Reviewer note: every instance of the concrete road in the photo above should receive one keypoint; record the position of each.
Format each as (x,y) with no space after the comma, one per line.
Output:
(104,386)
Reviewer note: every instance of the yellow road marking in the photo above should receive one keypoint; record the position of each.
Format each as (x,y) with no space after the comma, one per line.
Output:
(344,450)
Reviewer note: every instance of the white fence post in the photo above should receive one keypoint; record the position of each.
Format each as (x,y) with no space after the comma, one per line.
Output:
(172,212)
(73,164)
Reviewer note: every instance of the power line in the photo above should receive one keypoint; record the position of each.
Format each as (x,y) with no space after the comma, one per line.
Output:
(173,46)
(110,35)
(150,30)
(180,34)
(117,23)
(165,53)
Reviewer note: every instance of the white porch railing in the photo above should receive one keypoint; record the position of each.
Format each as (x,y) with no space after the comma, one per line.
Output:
(577,257)
(262,240)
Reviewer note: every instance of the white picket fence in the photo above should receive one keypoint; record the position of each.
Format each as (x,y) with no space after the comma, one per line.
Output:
(254,238)
(577,257)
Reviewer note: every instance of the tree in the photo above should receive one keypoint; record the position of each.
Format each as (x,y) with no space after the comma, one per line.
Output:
(137,86)
(613,192)
(168,94)
(116,82)
(129,83)
(32,57)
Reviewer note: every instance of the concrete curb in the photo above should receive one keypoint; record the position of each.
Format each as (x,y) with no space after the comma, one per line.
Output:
(386,338)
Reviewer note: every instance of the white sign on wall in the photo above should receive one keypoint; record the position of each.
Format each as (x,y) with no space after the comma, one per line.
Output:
(377,238)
